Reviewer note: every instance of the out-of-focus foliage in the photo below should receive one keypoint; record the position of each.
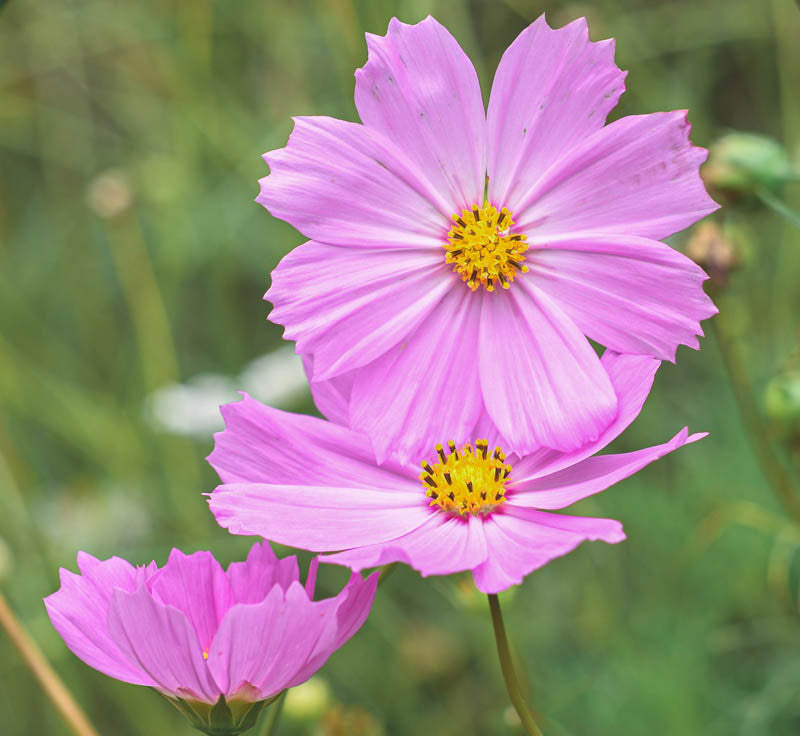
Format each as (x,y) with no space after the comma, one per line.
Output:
(782,401)
(132,257)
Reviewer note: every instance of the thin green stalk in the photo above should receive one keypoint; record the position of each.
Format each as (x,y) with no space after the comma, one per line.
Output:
(273,715)
(157,356)
(52,685)
(779,206)
(509,675)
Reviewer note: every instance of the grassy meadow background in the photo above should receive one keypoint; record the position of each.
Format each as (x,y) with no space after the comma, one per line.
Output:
(133,257)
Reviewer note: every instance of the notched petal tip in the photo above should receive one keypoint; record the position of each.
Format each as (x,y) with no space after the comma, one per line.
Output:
(396,26)
(699,156)
(420,89)
(87,562)
(581,24)
(531,127)
(612,536)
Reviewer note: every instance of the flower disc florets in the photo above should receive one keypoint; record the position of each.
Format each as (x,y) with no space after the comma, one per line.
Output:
(482,250)
(466,481)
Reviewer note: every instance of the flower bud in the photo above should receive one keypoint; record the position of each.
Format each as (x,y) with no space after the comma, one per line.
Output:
(742,163)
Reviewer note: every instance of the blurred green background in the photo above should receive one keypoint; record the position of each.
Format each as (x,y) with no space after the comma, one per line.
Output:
(133,257)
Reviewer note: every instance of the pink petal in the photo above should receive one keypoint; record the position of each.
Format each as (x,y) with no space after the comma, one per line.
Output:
(344,184)
(79,611)
(426,389)
(637,176)
(631,294)
(346,614)
(590,476)
(542,382)
(265,445)
(632,377)
(520,541)
(197,586)
(332,397)
(444,545)
(348,306)
(319,519)
(551,90)
(420,90)
(354,603)
(265,644)
(486,429)
(254,578)
(311,577)
(160,640)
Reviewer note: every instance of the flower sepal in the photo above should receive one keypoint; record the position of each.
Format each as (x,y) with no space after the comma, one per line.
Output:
(223,718)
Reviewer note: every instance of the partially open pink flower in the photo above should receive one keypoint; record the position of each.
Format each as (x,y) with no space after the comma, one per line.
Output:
(444,295)
(197,633)
(309,483)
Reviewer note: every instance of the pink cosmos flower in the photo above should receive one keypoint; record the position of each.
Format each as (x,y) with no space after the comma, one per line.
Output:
(204,637)
(459,258)
(310,483)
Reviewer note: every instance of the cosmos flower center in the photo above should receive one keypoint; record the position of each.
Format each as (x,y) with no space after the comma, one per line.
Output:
(466,481)
(482,250)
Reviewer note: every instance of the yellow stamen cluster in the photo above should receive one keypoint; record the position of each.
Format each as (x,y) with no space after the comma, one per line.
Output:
(466,481)
(482,250)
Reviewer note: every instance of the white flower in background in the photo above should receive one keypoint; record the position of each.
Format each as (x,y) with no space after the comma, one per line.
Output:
(99,517)
(277,378)
(192,408)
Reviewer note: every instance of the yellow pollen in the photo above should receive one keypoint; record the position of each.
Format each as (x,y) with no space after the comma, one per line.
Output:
(466,481)
(482,249)
(205,654)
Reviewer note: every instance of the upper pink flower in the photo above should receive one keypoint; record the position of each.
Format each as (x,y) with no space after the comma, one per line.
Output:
(446,294)
(196,632)
(310,483)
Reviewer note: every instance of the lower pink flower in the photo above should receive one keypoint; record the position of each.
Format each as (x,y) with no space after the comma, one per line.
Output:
(202,636)
(313,484)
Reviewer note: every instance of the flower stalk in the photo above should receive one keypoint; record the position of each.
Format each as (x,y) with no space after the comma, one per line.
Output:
(513,685)
(51,683)
(778,206)
(273,716)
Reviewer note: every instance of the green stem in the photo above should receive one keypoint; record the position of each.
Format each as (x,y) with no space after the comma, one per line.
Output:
(779,206)
(509,675)
(273,715)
